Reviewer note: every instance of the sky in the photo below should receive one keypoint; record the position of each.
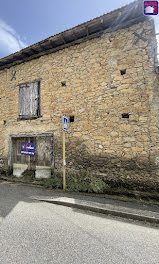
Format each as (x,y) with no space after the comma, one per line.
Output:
(24,22)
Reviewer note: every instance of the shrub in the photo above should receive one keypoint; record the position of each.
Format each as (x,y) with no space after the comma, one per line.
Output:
(84,182)
(28,175)
(54,183)
(81,182)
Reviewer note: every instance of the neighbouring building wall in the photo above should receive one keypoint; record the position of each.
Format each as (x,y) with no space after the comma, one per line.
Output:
(101,138)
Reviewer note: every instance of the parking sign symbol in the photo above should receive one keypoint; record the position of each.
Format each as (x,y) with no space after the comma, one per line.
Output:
(65,123)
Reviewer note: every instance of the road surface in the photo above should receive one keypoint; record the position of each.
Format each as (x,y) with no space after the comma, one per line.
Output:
(37,232)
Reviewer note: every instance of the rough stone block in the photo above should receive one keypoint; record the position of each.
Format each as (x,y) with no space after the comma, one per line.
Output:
(18,169)
(42,172)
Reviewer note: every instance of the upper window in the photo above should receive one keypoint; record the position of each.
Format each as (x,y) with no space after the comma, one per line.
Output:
(29,100)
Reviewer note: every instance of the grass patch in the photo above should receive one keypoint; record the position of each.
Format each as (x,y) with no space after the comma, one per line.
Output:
(28,176)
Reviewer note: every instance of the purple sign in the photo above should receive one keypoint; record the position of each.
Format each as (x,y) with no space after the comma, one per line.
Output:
(28,149)
(150,8)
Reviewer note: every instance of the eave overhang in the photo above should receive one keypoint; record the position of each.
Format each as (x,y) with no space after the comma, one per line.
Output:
(121,18)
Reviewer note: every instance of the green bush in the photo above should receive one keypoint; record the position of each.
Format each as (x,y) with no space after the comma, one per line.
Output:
(81,182)
(54,183)
(84,182)
(28,175)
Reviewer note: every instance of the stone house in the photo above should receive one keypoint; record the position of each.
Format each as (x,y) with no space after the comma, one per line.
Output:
(102,75)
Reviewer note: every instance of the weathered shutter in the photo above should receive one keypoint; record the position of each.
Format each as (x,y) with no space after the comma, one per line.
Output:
(24,101)
(21,106)
(34,99)
(28,100)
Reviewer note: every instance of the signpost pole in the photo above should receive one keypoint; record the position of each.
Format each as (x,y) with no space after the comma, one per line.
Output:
(64,162)
(29,166)
(65,128)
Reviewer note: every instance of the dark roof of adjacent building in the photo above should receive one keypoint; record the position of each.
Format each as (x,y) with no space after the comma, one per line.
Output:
(117,19)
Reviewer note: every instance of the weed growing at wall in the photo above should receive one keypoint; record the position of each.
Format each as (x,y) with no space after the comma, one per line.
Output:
(82,182)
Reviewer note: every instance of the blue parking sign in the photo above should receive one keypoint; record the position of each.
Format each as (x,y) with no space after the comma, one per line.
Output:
(65,123)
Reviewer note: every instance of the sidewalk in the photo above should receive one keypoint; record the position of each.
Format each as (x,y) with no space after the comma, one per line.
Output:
(126,209)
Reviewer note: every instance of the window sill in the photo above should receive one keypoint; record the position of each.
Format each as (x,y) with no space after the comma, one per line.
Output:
(28,118)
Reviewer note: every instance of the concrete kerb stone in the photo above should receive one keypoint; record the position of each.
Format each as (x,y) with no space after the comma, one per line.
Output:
(100,208)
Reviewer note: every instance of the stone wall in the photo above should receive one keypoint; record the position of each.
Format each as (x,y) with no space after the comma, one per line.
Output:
(96,94)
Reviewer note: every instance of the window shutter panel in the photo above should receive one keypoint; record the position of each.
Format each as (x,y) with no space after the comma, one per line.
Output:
(24,101)
(29,100)
(34,99)
(21,106)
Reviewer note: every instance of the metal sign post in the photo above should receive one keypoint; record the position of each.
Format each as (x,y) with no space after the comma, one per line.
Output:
(64,162)
(65,128)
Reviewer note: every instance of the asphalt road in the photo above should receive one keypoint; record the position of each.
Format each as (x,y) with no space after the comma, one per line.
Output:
(37,232)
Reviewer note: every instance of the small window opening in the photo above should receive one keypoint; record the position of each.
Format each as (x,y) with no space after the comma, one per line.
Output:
(110,40)
(122,72)
(126,115)
(4,122)
(63,83)
(71,119)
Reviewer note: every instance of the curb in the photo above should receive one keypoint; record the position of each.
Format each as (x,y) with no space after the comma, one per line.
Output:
(101,210)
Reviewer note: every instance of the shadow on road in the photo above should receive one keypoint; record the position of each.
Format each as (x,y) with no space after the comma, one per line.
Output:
(13,193)
(9,197)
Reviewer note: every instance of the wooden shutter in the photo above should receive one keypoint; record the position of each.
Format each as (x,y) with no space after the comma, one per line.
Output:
(34,99)
(29,100)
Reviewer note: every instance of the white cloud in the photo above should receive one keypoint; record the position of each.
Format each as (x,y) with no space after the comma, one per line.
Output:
(156,23)
(157,31)
(10,41)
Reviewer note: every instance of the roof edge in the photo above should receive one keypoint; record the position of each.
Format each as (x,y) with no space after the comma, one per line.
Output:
(112,21)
